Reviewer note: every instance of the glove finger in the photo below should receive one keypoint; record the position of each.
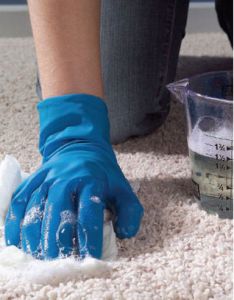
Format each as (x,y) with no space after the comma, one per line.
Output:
(31,227)
(129,213)
(90,220)
(18,205)
(59,222)
(16,212)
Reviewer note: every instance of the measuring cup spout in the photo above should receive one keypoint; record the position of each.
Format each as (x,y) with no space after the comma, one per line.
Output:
(179,89)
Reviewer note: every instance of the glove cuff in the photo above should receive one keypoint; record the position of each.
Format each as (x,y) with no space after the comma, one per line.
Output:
(69,118)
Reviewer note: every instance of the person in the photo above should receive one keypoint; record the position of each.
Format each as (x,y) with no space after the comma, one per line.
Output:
(59,209)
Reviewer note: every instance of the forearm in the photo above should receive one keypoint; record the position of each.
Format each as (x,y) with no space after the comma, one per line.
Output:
(66,36)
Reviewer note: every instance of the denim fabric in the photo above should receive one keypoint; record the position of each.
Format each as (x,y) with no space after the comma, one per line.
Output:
(140,42)
(224,9)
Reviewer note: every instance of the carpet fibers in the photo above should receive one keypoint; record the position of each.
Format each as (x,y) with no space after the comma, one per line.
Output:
(181,252)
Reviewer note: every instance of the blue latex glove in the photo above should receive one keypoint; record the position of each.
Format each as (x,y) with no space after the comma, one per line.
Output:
(59,209)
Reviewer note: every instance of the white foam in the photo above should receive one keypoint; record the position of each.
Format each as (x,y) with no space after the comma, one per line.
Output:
(212,142)
(17,265)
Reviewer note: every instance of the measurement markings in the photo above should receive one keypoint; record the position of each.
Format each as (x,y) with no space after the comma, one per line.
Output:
(217,138)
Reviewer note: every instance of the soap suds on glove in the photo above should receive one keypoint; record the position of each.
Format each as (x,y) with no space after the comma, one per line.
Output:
(17,265)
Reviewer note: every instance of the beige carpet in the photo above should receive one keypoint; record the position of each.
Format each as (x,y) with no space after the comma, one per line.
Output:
(180,252)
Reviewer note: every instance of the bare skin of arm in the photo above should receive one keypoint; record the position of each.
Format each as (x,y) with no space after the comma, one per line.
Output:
(67,41)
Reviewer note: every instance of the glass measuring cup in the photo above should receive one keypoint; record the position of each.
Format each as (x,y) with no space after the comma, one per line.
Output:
(208,101)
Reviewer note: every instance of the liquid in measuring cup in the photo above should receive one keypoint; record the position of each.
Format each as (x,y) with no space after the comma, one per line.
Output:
(212,168)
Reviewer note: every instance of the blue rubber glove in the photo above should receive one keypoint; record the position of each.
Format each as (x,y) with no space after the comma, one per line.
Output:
(58,210)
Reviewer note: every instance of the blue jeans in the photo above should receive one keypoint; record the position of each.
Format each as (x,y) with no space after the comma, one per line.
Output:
(140,43)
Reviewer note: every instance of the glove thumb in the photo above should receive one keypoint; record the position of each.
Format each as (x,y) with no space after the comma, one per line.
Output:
(129,213)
